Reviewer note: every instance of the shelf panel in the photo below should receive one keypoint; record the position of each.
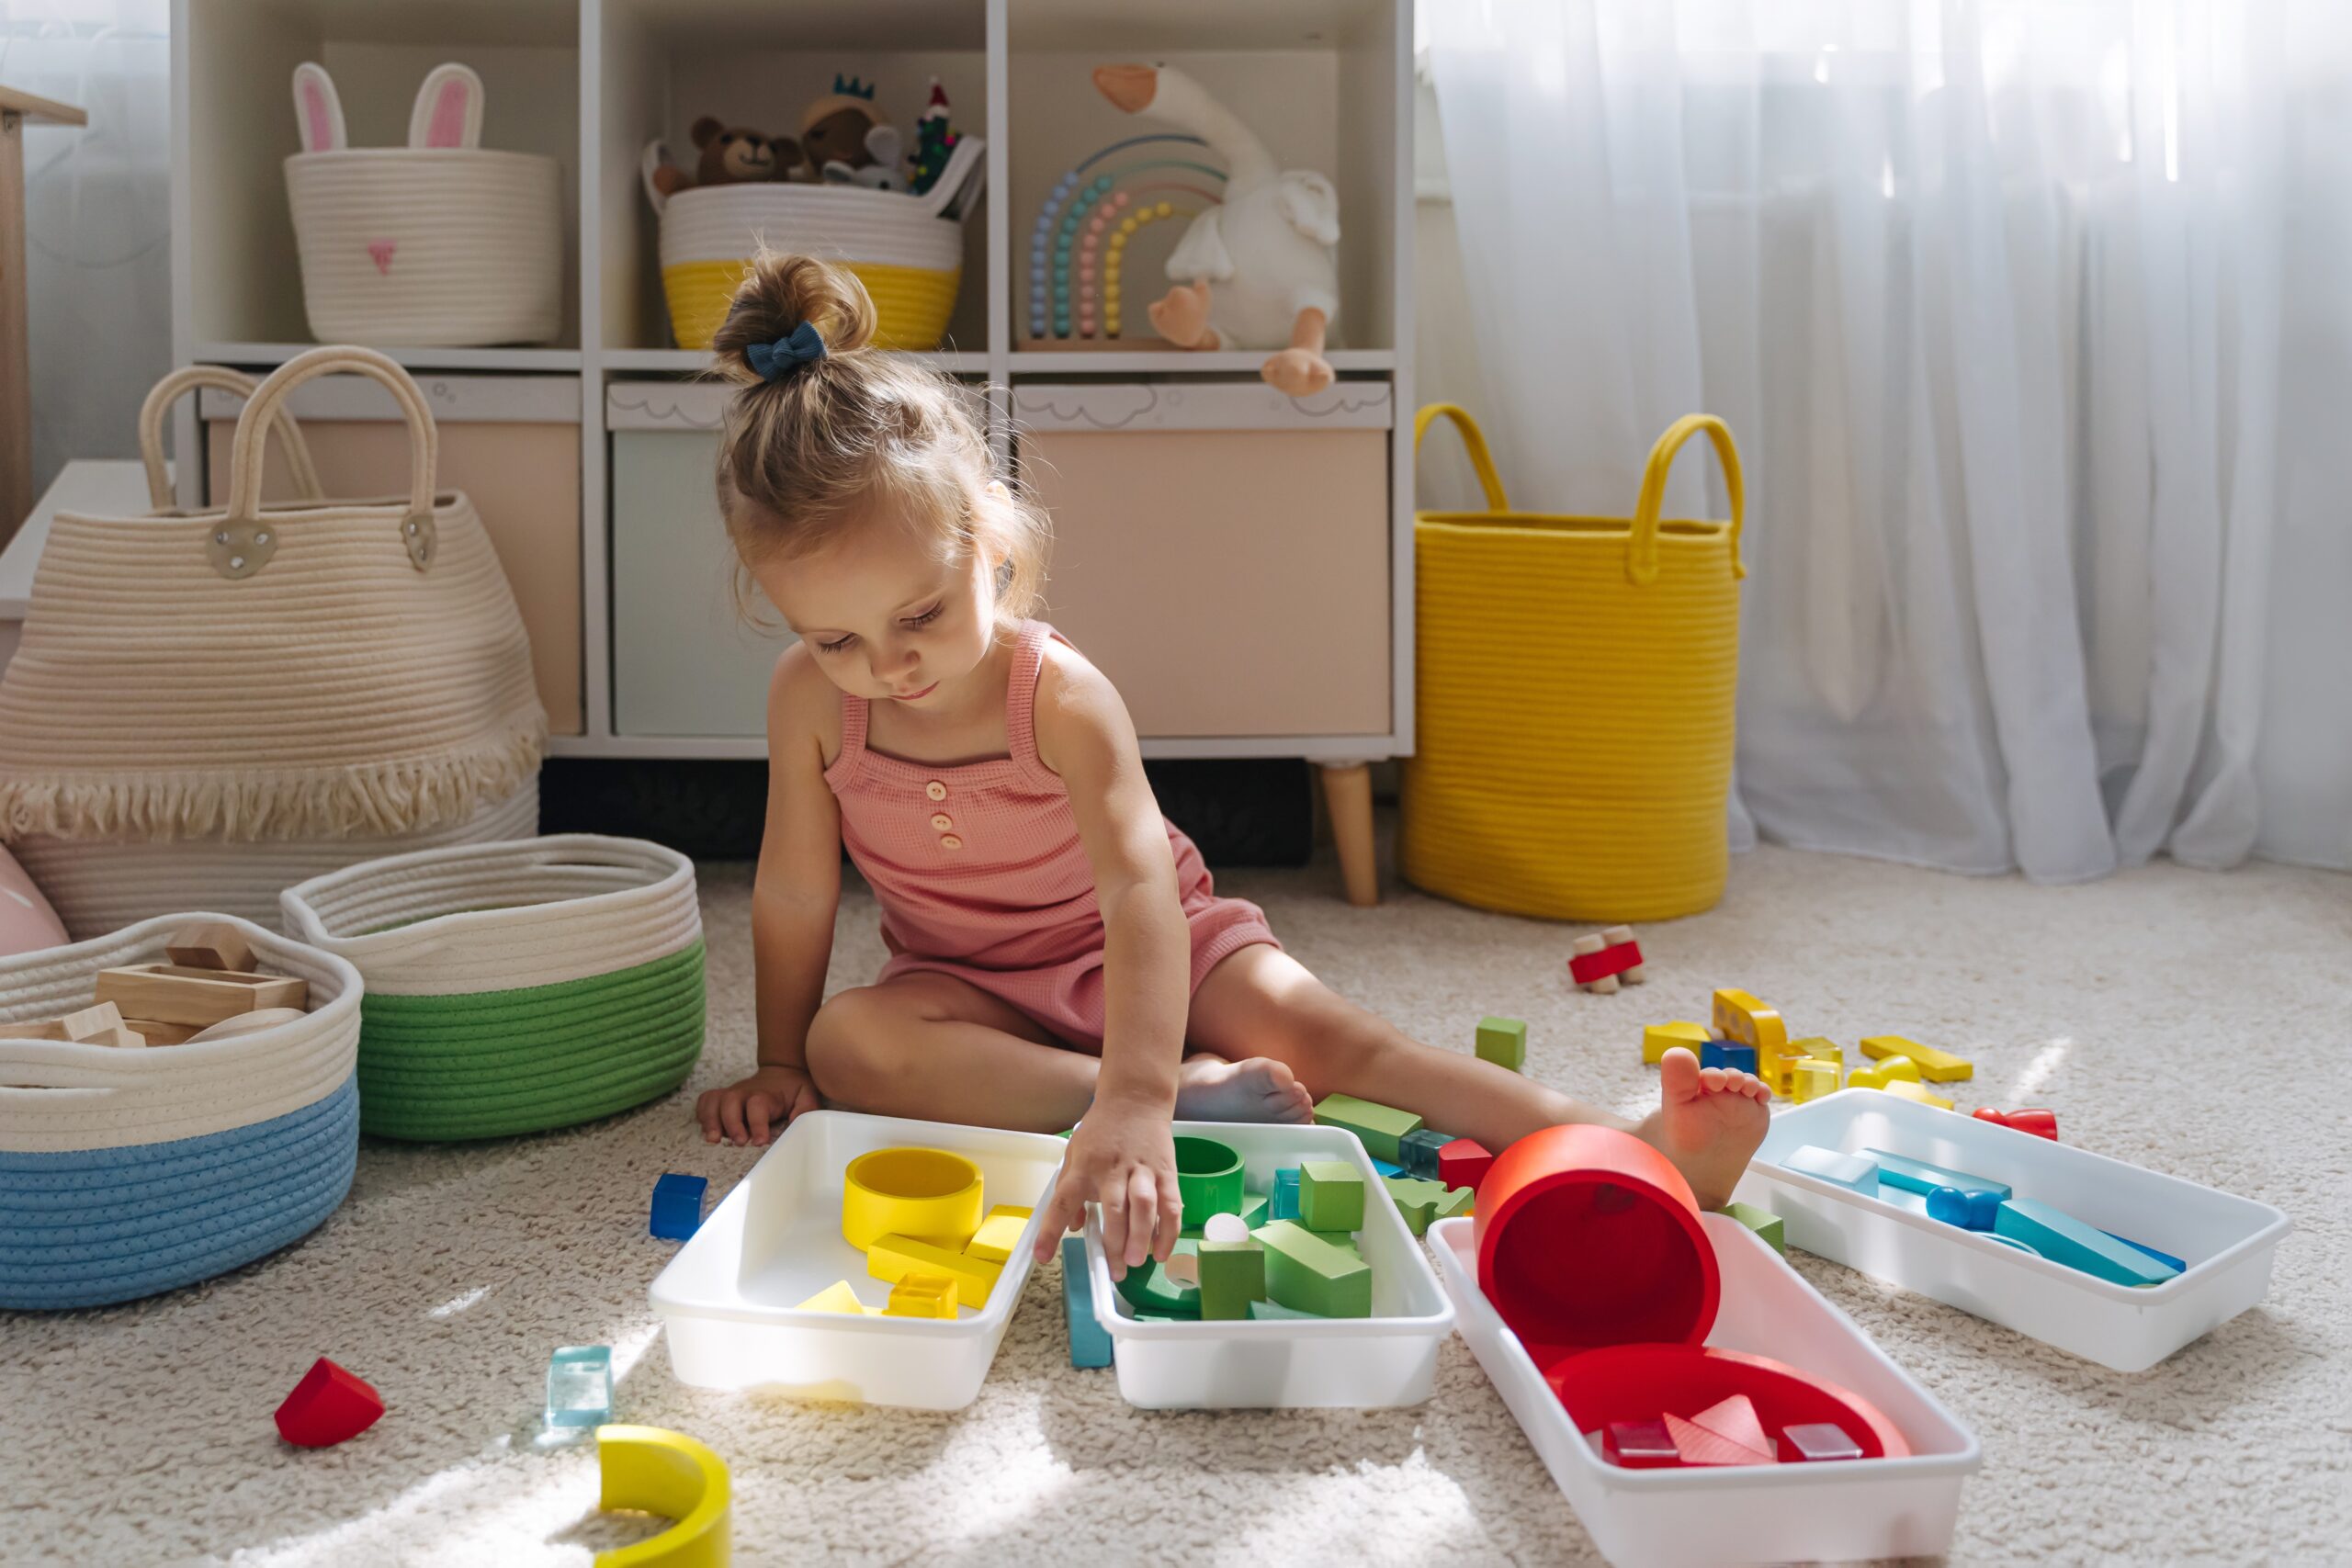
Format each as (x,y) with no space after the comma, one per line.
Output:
(1148,362)
(419,358)
(688,361)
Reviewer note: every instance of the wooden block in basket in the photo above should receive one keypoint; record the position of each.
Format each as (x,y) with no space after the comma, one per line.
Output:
(213,946)
(172,992)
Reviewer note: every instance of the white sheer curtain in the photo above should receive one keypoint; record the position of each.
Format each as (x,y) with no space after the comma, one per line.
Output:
(2033,318)
(98,218)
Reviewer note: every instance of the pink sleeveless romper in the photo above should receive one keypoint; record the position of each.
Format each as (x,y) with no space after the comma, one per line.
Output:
(980,871)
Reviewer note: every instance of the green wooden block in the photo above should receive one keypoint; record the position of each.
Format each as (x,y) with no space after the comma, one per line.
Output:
(1418,1200)
(1308,1273)
(1458,1201)
(1762,1223)
(1149,1288)
(1330,1195)
(1256,1210)
(1503,1042)
(1233,1274)
(1343,1241)
(1264,1312)
(1378,1125)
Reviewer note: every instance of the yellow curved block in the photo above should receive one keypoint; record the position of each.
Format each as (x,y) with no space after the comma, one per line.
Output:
(1657,1039)
(1894,1070)
(658,1472)
(1905,1089)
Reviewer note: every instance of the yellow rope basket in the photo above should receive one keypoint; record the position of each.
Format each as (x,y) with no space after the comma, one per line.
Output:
(1574,714)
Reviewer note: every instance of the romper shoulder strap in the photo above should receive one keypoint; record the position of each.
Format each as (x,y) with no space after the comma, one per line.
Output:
(852,760)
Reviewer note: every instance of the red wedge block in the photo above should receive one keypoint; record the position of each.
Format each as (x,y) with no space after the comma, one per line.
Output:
(1700,1446)
(1735,1418)
(328,1406)
(1462,1163)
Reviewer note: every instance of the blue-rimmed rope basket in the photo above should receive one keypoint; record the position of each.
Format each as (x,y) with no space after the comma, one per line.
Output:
(125,1172)
(515,987)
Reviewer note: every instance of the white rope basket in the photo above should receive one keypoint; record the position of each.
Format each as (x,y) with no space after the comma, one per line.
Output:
(440,242)
(99,886)
(518,986)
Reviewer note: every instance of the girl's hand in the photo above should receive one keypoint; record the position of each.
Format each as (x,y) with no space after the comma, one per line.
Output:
(748,1113)
(1123,1159)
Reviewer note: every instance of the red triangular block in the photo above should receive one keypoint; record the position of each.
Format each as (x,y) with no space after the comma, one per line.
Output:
(1735,1418)
(1700,1446)
(328,1406)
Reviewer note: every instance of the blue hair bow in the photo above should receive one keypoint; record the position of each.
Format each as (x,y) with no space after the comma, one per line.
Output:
(774,361)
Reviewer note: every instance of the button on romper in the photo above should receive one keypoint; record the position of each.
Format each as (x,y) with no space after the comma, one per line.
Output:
(980,874)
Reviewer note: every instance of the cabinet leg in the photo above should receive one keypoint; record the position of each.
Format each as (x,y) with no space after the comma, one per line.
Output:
(1347,793)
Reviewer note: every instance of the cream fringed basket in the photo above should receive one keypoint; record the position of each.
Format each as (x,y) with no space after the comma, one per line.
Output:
(125,1172)
(314,676)
(515,987)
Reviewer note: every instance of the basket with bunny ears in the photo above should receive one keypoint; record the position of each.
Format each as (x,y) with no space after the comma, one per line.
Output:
(441,242)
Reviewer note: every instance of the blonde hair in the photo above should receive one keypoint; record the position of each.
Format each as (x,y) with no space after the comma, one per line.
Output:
(804,457)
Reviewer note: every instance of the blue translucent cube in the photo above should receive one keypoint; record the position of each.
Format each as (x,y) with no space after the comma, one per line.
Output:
(677,1206)
(580,1387)
(1285,1203)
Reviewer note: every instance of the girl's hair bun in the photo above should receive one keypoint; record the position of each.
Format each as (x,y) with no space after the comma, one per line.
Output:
(781,292)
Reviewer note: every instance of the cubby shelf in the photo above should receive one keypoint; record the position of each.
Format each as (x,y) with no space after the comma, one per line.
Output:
(1324,83)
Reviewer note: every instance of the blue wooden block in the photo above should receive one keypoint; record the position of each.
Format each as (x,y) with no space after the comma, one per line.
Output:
(1918,1176)
(1724,1054)
(2062,1238)
(1858,1172)
(2165,1257)
(677,1206)
(1285,1203)
(1090,1345)
(1969,1210)
(1382,1166)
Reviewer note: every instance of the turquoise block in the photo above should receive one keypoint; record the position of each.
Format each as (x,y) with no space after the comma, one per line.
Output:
(2062,1238)
(1918,1176)
(1090,1343)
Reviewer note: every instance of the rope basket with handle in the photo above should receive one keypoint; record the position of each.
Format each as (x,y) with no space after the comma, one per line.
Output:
(1573,717)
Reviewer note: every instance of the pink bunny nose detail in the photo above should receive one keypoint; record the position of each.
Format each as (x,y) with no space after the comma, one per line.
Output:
(382,251)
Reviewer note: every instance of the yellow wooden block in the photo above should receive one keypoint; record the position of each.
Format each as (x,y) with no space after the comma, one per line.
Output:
(922,1295)
(836,1297)
(1811,1077)
(999,1234)
(1893,1069)
(1744,1020)
(1908,1089)
(1936,1066)
(893,1258)
(1660,1038)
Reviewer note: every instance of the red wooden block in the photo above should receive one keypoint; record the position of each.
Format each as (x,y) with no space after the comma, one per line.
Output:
(1462,1163)
(1584,968)
(1700,1446)
(328,1406)
(2041,1123)
(1735,1418)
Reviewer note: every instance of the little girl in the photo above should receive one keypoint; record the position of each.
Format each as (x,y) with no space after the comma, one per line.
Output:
(1056,949)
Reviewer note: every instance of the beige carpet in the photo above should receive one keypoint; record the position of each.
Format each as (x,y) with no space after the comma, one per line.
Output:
(2192,1022)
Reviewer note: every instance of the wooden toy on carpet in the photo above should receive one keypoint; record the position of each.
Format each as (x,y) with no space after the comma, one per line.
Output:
(1660,1038)
(1379,1126)
(1503,1042)
(330,1405)
(677,1206)
(1764,1223)
(580,1388)
(1813,1048)
(1463,1162)
(650,1470)
(1936,1066)
(1892,1070)
(1724,1054)
(1418,1150)
(1089,1342)
(1810,1078)
(1598,962)
(1905,1089)
(2041,1123)
(1743,1020)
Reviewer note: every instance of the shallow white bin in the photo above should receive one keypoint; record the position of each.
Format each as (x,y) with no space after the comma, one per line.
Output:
(726,1299)
(1856,1508)
(1388,1359)
(2226,1241)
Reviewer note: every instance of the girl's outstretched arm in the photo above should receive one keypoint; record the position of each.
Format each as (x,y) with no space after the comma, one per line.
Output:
(1123,1155)
(794,895)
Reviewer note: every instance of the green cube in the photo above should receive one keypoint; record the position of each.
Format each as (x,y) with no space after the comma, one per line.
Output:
(1762,1223)
(1378,1125)
(1307,1273)
(1233,1275)
(1503,1042)
(1330,1195)
(1264,1312)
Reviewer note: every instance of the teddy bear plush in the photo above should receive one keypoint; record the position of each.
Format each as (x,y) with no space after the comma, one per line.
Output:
(847,142)
(733,154)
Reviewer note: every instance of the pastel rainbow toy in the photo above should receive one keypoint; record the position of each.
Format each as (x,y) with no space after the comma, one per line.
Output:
(127,1172)
(1066,246)
(515,987)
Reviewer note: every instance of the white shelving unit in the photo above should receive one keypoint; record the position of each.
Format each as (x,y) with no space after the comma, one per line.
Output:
(1327,83)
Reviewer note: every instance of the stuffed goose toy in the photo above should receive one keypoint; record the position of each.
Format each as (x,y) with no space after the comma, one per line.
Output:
(1258,271)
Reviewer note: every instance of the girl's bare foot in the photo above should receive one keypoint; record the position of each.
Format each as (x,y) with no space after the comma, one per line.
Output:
(1210,1089)
(1708,1122)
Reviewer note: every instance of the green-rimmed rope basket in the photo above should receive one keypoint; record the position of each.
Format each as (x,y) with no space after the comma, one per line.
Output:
(515,987)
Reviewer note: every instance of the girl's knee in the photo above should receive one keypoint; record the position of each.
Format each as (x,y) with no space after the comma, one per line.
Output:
(850,1044)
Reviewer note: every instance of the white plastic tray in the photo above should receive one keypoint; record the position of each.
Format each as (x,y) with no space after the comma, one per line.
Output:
(726,1299)
(2226,1241)
(1855,1508)
(1388,1359)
